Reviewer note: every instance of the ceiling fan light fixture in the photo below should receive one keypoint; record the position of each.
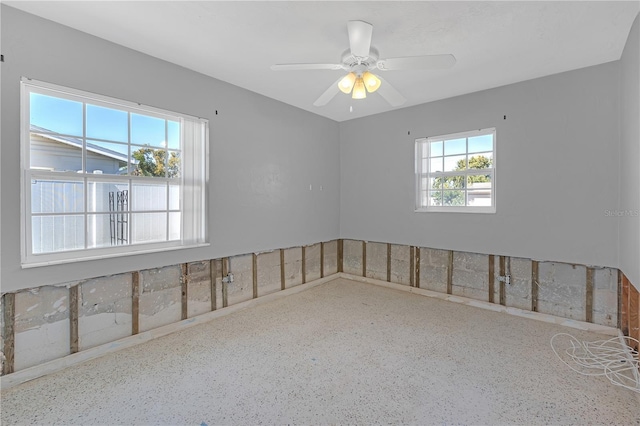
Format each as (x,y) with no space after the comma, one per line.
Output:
(346,84)
(371,81)
(359,92)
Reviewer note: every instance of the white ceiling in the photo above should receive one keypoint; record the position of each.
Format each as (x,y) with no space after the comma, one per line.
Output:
(495,43)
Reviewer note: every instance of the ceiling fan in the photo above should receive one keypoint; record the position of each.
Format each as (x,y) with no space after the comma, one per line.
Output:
(360,60)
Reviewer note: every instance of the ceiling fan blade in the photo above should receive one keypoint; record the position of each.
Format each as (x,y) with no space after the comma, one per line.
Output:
(390,94)
(360,38)
(417,62)
(298,67)
(328,94)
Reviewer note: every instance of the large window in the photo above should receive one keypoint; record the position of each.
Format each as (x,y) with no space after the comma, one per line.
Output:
(103,177)
(456,173)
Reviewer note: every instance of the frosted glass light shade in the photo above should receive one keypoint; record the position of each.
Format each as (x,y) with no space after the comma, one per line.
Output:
(371,82)
(346,84)
(359,92)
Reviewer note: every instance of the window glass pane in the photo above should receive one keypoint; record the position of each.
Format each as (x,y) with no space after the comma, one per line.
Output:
(479,181)
(436,149)
(149,196)
(455,146)
(55,153)
(107,158)
(57,196)
(453,182)
(107,196)
(107,123)
(174,197)
(435,183)
(173,134)
(457,162)
(148,227)
(481,143)
(174,226)
(148,161)
(57,233)
(146,130)
(479,197)
(174,164)
(55,114)
(435,198)
(452,198)
(481,161)
(436,165)
(107,230)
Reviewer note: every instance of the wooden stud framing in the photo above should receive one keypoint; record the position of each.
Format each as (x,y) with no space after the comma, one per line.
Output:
(282,274)
(73,319)
(503,290)
(322,259)
(634,314)
(589,295)
(620,299)
(412,280)
(450,273)
(624,306)
(304,264)
(225,290)
(340,255)
(9,310)
(535,276)
(492,267)
(364,258)
(388,262)
(185,290)
(135,302)
(416,268)
(213,275)
(254,269)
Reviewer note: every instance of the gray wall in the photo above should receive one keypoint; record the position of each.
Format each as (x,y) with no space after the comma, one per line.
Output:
(264,154)
(630,157)
(557,158)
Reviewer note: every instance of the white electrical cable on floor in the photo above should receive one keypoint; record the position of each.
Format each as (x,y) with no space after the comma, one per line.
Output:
(611,358)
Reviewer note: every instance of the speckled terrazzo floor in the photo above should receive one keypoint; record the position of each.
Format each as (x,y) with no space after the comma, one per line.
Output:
(343,352)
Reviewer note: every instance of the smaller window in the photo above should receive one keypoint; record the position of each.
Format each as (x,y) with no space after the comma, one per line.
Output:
(456,173)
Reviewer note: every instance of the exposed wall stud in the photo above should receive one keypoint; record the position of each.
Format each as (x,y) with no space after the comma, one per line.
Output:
(135,302)
(503,292)
(388,262)
(304,264)
(254,270)
(9,310)
(534,285)
(340,255)
(185,289)
(364,258)
(589,295)
(620,299)
(450,273)
(624,306)
(282,274)
(634,314)
(213,274)
(492,275)
(225,290)
(322,260)
(73,319)
(412,281)
(417,267)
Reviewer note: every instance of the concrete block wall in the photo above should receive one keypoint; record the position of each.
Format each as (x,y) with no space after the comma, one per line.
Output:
(198,288)
(377,261)
(518,293)
(241,289)
(470,275)
(293,266)
(400,264)
(312,262)
(269,274)
(352,257)
(433,269)
(562,290)
(160,297)
(330,258)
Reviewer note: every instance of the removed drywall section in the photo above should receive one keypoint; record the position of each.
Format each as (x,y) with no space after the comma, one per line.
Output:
(377,261)
(518,292)
(330,265)
(562,290)
(198,288)
(312,262)
(292,266)
(241,288)
(433,269)
(104,310)
(352,257)
(2,333)
(470,275)
(605,297)
(269,273)
(41,326)
(160,296)
(218,279)
(400,264)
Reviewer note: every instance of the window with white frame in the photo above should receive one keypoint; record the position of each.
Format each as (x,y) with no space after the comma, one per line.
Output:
(456,172)
(103,177)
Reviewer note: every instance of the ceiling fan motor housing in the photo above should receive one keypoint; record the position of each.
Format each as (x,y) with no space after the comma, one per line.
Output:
(359,65)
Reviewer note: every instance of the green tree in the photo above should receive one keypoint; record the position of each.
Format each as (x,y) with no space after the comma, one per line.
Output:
(451,187)
(153,162)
